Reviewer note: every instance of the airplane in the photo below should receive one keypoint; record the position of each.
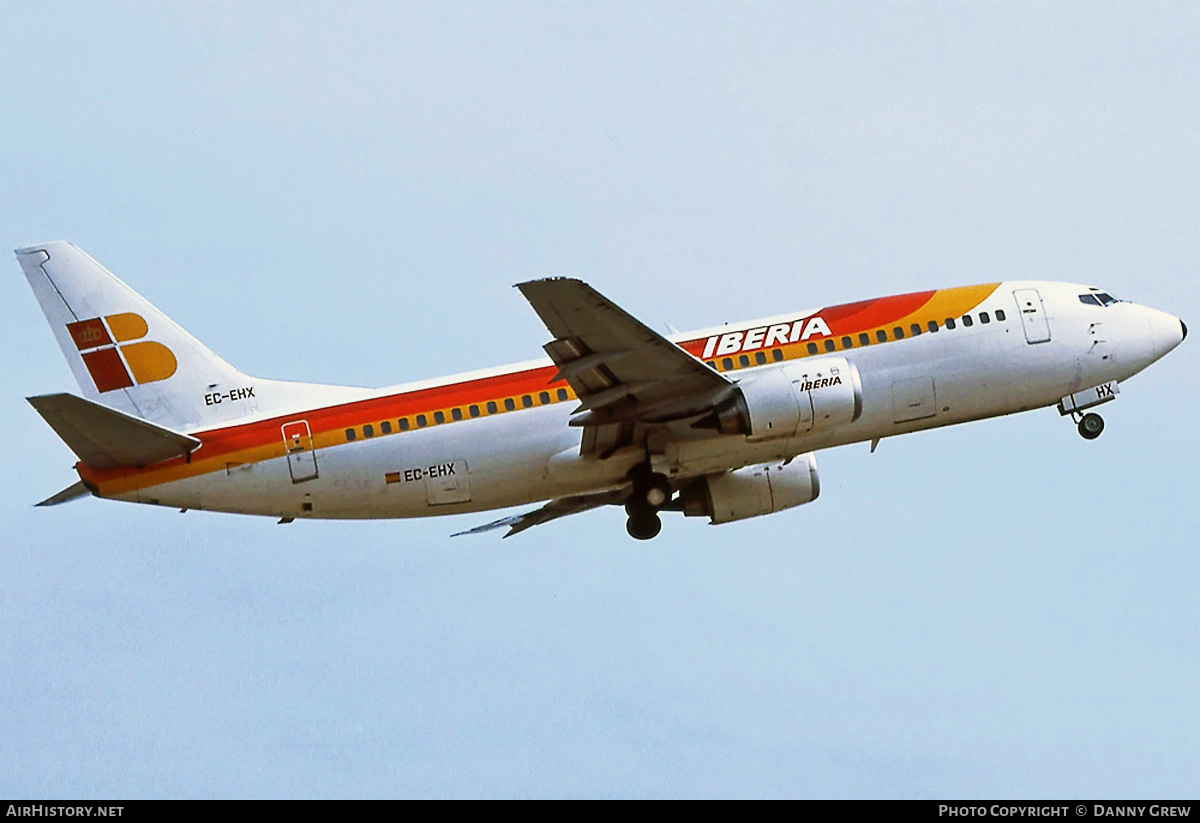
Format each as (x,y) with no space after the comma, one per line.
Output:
(721,422)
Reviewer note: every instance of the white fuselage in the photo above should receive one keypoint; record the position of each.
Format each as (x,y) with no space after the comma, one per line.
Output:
(919,382)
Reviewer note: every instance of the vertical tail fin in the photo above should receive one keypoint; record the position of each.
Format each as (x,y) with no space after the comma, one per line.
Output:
(129,356)
(125,353)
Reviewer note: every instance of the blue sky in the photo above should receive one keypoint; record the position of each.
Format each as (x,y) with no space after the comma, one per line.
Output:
(346,193)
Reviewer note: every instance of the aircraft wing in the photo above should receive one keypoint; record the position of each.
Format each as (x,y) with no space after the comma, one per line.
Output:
(622,371)
(553,510)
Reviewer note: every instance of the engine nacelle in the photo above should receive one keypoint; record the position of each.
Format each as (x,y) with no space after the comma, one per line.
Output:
(811,395)
(753,491)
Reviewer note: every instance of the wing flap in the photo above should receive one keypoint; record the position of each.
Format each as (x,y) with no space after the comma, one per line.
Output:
(104,438)
(572,367)
(561,507)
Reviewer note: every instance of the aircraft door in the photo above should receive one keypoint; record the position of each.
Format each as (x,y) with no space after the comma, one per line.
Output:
(302,460)
(1033,315)
(447,482)
(914,399)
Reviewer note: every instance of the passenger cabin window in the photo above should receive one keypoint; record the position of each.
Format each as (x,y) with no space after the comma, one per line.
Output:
(712,364)
(777,355)
(385,427)
(915,328)
(456,413)
(368,430)
(562,394)
(812,348)
(1000,317)
(881,336)
(933,326)
(526,401)
(760,357)
(509,403)
(726,364)
(473,410)
(743,360)
(984,318)
(898,333)
(830,345)
(421,421)
(439,417)
(404,424)
(351,434)
(951,323)
(968,321)
(544,398)
(491,407)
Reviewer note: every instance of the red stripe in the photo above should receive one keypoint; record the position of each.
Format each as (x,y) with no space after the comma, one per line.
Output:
(849,317)
(864,314)
(349,415)
(217,442)
(868,314)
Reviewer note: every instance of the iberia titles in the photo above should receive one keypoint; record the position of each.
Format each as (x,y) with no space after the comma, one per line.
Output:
(765,336)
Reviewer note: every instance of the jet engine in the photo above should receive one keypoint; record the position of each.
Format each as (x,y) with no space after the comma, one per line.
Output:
(753,491)
(811,395)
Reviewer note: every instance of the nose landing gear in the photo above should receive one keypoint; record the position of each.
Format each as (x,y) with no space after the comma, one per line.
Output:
(1091,426)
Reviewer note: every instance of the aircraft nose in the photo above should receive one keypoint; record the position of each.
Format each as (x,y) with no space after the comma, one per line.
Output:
(1167,331)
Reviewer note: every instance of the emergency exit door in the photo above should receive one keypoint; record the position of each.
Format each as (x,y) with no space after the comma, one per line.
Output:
(1033,315)
(302,460)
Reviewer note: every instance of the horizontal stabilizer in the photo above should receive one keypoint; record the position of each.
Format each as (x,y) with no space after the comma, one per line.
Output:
(72,492)
(103,438)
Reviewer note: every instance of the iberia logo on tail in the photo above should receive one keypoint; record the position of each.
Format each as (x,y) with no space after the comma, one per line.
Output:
(110,356)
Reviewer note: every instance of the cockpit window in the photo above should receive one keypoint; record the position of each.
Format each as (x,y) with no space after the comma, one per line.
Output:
(1098,298)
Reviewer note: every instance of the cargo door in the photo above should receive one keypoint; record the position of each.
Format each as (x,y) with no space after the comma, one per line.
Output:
(447,482)
(913,399)
(1033,315)
(302,460)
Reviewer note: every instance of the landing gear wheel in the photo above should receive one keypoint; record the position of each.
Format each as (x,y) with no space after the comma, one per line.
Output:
(1091,426)
(643,525)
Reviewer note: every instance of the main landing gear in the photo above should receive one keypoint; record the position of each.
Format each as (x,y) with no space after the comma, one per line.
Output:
(1091,426)
(651,492)
(643,524)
